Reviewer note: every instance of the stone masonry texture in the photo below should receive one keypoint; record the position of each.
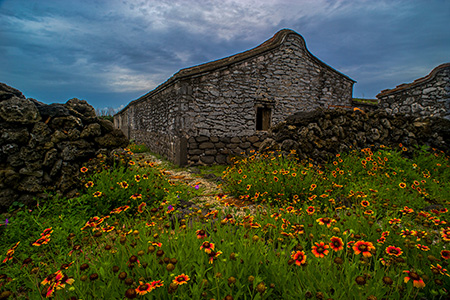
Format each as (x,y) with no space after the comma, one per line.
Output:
(205,114)
(426,96)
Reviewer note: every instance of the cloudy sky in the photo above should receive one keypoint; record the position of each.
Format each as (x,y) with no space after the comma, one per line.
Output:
(110,52)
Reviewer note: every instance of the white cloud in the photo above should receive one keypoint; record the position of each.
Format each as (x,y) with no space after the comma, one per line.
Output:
(120,79)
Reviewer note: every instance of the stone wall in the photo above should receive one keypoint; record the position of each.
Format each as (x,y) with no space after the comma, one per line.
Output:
(42,147)
(426,96)
(321,134)
(194,112)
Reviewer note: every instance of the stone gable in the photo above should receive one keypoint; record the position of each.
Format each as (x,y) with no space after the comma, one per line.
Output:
(193,116)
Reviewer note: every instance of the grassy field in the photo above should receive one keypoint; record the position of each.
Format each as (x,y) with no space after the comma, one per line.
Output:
(370,224)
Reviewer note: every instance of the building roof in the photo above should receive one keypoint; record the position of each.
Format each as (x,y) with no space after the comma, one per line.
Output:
(268,45)
(416,82)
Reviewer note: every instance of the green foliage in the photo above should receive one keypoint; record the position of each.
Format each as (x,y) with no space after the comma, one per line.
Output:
(372,204)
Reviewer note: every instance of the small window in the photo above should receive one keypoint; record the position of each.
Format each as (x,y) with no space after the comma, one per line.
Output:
(263,116)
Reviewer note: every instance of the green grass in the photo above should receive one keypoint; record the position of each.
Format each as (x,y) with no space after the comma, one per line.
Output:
(350,229)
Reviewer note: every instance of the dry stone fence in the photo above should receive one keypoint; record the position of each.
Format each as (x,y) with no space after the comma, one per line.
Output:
(321,134)
(42,147)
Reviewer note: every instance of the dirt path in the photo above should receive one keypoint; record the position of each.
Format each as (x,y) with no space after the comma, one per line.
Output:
(212,195)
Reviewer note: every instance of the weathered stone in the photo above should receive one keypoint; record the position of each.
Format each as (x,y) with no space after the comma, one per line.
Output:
(14,135)
(19,110)
(235,140)
(201,139)
(211,152)
(51,110)
(206,145)
(206,159)
(92,130)
(111,140)
(221,159)
(66,123)
(86,111)
(30,163)
(7,92)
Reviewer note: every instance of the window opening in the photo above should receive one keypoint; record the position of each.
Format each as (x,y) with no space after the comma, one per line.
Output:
(263,116)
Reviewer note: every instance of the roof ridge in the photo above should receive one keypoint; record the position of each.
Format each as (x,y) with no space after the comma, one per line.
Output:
(275,41)
(417,81)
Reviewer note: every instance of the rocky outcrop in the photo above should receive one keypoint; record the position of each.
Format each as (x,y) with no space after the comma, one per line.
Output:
(42,147)
(321,134)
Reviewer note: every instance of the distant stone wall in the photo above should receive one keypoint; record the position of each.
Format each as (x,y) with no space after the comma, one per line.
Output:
(426,96)
(153,120)
(321,134)
(42,147)
(213,109)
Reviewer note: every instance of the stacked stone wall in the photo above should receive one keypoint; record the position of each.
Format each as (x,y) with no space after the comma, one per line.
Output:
(42,147)
(208,150)
(321,134)
(427,96)
(153,120)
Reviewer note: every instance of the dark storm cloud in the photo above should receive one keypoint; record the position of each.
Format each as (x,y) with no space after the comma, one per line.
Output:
(110,52)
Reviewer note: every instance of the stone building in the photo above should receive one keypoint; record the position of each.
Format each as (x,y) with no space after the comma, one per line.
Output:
(204,114)
(426,96)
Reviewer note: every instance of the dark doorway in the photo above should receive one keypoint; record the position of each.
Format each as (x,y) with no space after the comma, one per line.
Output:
(263,116)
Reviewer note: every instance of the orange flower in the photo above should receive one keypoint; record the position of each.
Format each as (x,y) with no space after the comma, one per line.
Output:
(417,281)
(402,185)
(310,210)
(207,246)
(119,209)
(336,243)
(201,234)
(320,250)
(326,221)
(365,203)
(84,170)
(89,184)
(97,194)
(213,255)
(395,251)
(364,248)
(141,207)
(299,257)
(422,247)
(181,279)
(143,288)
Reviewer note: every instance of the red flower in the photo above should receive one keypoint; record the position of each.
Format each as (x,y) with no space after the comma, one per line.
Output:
(299,257)
(364,248)
(119,209)
(141,207)
(422,247)
(207,246)
(417,281)
(201,234)
(143,288)
(181,279)
(365,203)
(336,243)
(445,254)
(320,250)
(310,210)
(326,221)
(395,251)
